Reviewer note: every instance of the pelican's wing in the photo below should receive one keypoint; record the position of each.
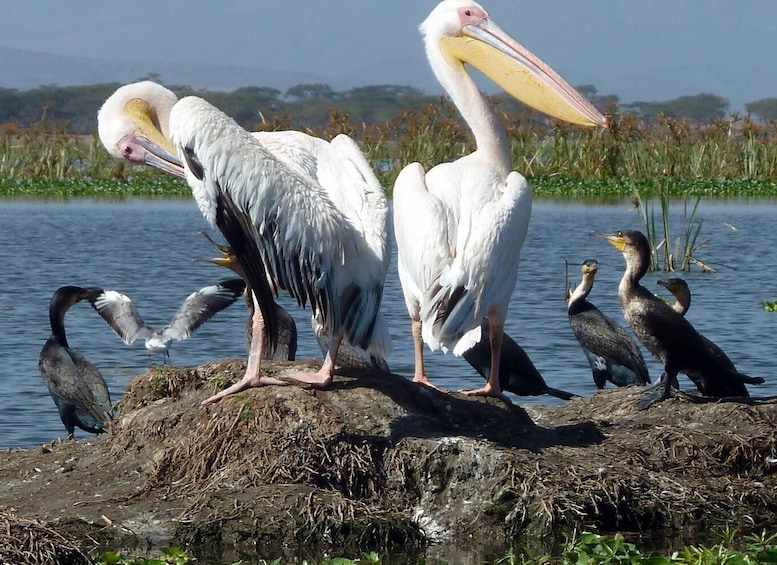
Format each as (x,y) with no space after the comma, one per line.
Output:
(342,170)
(295,149)
(364,200)
(280,221)
(118,310)
(201,306)
(493,218)
(424,229)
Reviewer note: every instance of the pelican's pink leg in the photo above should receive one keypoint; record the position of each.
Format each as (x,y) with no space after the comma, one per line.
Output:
(496,334)
(323,377)
(419,374)
(253,376)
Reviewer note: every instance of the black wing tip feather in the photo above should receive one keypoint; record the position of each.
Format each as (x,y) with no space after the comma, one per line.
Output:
(237,229)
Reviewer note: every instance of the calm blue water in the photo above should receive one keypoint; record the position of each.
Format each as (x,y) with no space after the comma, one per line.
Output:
(144,249)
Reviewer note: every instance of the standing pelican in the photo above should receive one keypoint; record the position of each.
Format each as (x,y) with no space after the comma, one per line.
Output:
(119,311)
(75,384)
(610,351)
(460,226)
(301,214)
(667,334)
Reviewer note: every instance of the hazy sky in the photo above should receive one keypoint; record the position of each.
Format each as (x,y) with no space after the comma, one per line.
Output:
(649,50)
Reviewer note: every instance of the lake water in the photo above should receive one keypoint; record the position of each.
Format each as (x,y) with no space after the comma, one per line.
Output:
(144,248)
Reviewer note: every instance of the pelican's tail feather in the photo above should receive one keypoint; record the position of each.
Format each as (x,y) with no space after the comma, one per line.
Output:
(467,341)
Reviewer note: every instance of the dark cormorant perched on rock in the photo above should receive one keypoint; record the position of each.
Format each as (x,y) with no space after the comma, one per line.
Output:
(613,354)
(517,373)
(118,310)
(75,384)
(679,289)
(665,333)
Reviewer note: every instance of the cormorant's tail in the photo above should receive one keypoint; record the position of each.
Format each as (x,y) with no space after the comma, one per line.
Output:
(562,394)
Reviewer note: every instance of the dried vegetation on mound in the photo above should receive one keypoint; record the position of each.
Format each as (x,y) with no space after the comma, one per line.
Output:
(378,460)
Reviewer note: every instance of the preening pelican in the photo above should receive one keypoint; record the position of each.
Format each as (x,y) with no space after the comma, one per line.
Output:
(610,350)
(460,226)
(285,348)
(119,311)
(667,334)
(75,384)
(302,214)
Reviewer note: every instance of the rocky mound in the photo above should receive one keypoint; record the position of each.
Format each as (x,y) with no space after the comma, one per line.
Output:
(378,460)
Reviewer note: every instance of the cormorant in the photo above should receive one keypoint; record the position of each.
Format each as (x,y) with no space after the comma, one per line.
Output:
(517,373)
(665,333)
(118,310)
(75,384)
(679,289)
(612,352)
(682,294)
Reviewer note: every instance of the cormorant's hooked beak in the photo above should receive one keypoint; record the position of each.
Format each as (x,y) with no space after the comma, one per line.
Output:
(156,149)
(590,267)
(486,47)
(615,239)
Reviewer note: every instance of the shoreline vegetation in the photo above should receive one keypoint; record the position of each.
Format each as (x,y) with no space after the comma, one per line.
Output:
(731,157)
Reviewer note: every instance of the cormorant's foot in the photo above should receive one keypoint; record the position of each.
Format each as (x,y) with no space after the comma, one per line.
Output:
(320,381)
(243,384)
(662,382)
(653,396)
(423,380)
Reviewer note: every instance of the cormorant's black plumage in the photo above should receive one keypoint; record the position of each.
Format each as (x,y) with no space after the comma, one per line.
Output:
(517,373)
(75,384)
(665,333)
(610,350)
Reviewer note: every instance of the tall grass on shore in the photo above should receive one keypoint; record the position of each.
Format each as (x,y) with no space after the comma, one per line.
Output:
(732,156)
(666,251)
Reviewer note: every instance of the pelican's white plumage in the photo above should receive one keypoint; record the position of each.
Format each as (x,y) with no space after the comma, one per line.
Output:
(305,243)
(310,212)
(460,226)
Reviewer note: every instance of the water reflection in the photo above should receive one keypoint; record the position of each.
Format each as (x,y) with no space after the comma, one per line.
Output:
(145,248)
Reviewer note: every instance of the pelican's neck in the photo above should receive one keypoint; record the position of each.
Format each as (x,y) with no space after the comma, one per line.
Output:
(490,137)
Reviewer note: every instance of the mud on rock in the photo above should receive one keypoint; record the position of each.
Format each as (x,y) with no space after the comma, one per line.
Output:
(378,460)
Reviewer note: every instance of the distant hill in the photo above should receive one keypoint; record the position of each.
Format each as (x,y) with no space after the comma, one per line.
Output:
(24,70)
